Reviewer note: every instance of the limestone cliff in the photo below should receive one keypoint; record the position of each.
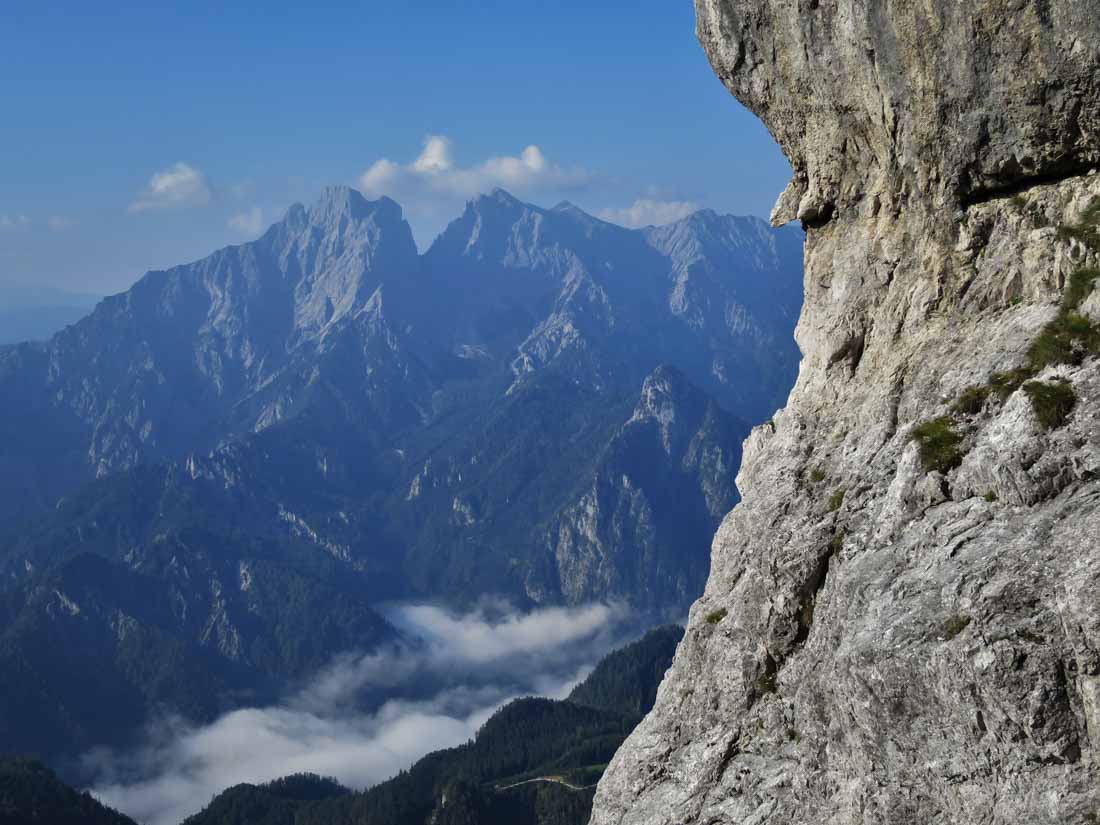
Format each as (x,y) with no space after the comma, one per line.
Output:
(902,622)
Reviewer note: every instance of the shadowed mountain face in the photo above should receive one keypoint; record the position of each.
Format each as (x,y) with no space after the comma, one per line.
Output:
(266,441)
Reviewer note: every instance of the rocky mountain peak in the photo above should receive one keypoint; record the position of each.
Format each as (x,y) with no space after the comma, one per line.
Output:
(670,401)
(337,202)
(337,251)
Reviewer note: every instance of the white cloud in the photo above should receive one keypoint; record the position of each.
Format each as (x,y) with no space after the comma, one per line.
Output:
(179,186)
(380,177)
(249,223)
(456,671)
(59,223)
(436,156)
(14,223)
(649,212)
(435,171)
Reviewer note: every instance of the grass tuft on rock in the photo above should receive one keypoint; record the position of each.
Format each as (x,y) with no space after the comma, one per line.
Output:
(1070,336)
(954,626)
(1081,284)
(836,499)
(1068,339)
(1086,230)
(972,401)
(716,616)
(940,444)
(1052,402)
(1065,340)
(1003,384)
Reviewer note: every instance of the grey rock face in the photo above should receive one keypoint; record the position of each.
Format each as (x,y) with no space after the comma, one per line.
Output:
(932,103)
(880,642)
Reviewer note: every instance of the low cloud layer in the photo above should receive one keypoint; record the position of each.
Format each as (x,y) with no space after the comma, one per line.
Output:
(649,212)
(436,693)
(178,186)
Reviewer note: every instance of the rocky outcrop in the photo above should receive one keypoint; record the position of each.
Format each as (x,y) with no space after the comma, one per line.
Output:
(901,621)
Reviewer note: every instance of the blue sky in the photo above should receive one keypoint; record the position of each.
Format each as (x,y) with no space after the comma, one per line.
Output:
(139,136)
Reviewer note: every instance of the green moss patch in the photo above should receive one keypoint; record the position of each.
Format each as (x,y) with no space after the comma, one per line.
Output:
(835,500)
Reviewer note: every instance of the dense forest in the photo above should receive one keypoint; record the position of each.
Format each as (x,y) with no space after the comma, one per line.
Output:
(30,794)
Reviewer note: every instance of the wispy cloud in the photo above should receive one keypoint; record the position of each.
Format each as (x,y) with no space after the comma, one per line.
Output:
(59,223)
(649,212)
(250,222)
(435,170)
(441,687)
(14,223)
(181,185)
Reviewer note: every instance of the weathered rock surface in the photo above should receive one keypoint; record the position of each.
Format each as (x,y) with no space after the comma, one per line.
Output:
(880,643)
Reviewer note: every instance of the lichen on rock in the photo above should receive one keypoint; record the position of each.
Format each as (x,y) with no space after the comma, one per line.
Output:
(928,650)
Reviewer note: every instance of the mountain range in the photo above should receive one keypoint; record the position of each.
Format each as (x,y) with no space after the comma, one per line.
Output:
(209,484)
